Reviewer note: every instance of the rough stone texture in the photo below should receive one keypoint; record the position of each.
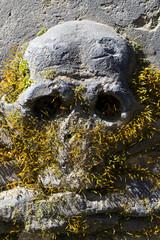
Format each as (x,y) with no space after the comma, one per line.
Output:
(8,173)
(35,236)
(17,204)
(82,53)
(97,58)
(96,49)
(20,21)
(78,51)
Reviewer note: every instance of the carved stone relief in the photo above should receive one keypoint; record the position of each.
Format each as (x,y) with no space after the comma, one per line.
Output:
(92,60)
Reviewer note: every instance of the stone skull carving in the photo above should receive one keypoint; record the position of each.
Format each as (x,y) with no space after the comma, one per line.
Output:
(74,58)
(86,56)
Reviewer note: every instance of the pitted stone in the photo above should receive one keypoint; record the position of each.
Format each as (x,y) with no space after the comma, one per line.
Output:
(93,58)
(77,47)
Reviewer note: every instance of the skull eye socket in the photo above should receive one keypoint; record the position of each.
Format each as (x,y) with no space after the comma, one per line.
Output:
(47,107)
(108,107)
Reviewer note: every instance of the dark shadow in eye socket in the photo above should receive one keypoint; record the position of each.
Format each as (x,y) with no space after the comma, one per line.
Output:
(47,107)
(108,107)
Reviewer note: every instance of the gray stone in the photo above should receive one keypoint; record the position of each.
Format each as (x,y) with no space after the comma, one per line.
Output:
(131,237)
(49,178)
(23,205)
(4,139)
(9,173)
(92,55)
(136,225)
(148,161)
(98,53)
(21,21)
(13,203)
(74,204)
(35,236)
(83,54)
(96,50)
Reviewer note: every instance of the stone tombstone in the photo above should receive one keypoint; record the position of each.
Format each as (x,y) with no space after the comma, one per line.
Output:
(92,60)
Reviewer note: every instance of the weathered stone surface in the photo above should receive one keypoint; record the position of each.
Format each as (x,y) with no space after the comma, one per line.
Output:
(148,161)
(81,54)
(136,224)
(96,50)
(21,204)
(141,237)
(35,236)
(102,236)
(13,203)
(4,140)
(9,173)
(22,20)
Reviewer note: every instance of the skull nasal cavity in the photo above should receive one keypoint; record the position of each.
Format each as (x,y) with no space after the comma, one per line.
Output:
(108,107)
(47,107)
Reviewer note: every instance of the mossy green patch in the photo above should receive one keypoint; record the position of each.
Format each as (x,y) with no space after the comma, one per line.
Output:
(35,144)
(42,31)
(16,77)
(100,144)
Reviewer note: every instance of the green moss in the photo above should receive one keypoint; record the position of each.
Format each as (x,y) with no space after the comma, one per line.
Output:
(16,77)
(42,31)
(100,144)
(147,88)
(48,3)
(50,74)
